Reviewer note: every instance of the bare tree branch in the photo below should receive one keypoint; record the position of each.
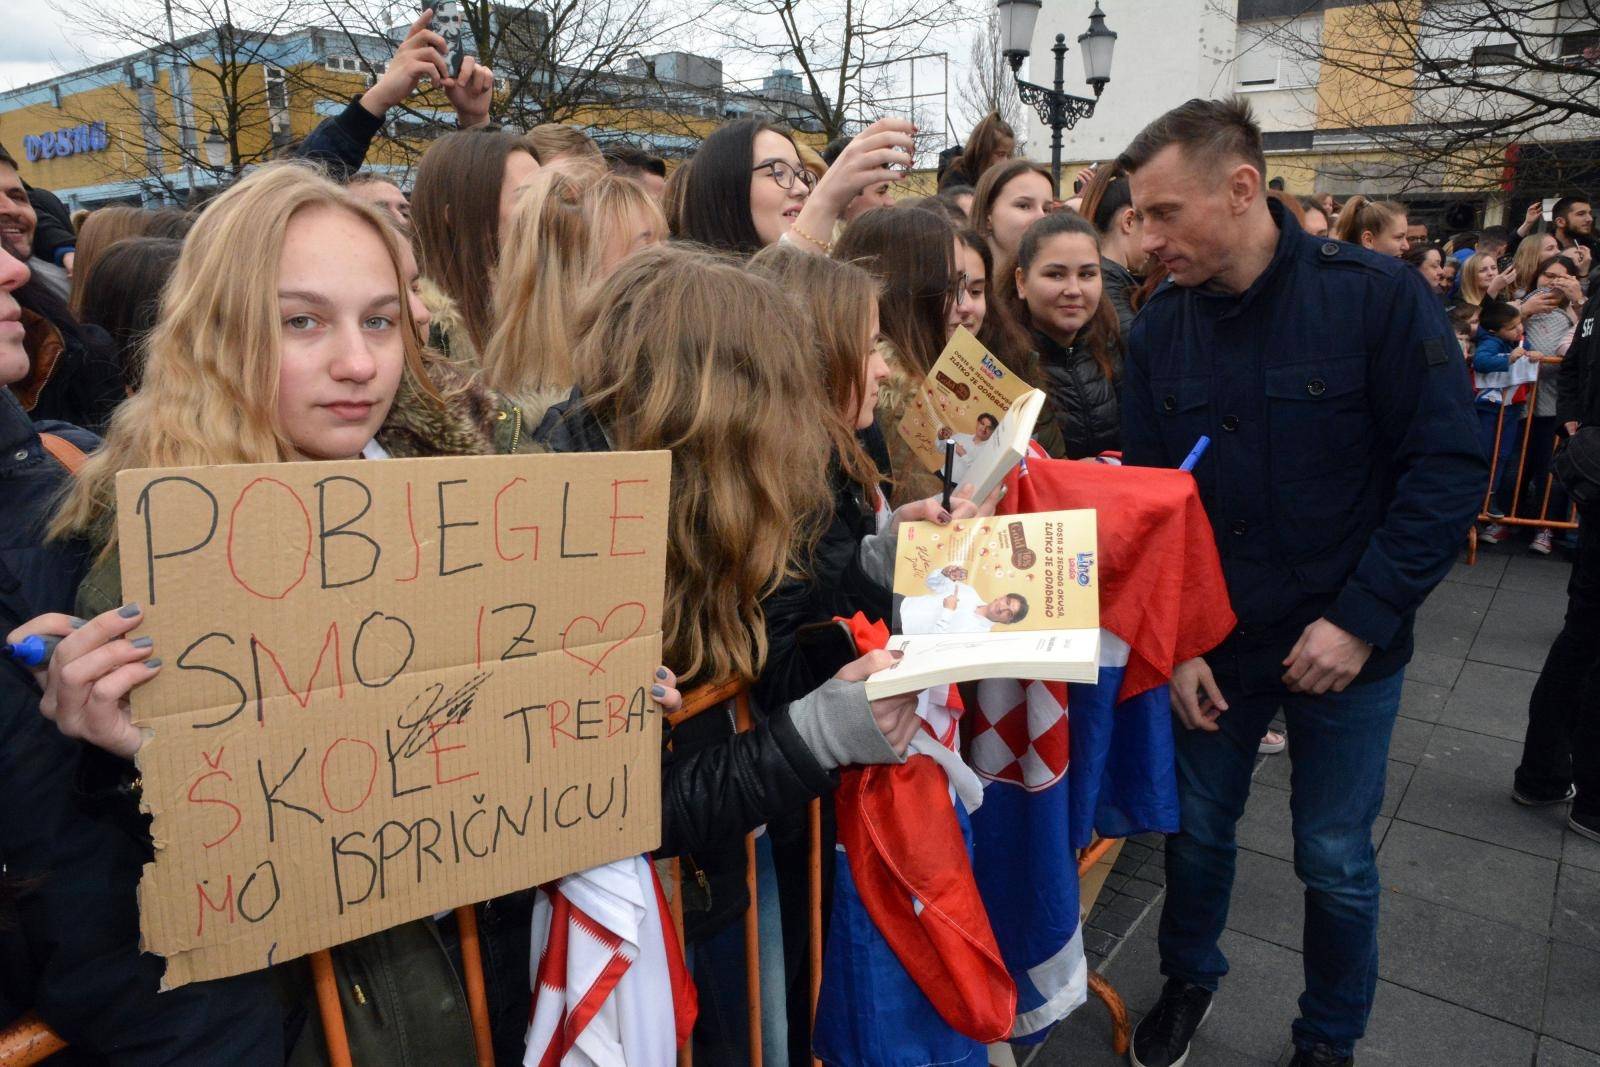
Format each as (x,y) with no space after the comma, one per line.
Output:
(1443,88)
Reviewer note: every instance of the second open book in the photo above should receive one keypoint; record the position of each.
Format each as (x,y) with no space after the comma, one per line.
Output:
(974,402)
(1014,596)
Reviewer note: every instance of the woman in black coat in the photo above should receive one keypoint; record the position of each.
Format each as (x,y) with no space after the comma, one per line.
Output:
(1054,307)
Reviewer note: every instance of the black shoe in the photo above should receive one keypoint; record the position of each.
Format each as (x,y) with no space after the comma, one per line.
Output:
(1537,800)
(1587,825)
(1162,1037)
(1320,1056)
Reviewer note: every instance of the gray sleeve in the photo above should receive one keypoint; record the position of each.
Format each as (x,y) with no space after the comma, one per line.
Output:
(836,724)
(876,558)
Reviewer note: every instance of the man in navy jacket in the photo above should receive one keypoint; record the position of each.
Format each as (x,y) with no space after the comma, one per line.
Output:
(1343,474)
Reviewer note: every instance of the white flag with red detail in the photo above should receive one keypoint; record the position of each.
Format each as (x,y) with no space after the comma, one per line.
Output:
(609,985)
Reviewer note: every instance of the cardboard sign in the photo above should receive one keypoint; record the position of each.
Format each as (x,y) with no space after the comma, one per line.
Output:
(390,689)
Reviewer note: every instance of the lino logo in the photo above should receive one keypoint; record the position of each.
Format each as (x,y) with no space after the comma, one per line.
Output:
(992,369)
(1082,566)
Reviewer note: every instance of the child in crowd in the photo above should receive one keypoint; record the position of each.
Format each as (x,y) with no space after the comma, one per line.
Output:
(1497,351)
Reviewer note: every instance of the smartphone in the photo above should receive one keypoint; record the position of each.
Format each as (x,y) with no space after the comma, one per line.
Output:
(447,23)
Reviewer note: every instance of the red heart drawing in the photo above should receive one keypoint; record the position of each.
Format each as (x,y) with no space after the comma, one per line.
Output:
(601,634)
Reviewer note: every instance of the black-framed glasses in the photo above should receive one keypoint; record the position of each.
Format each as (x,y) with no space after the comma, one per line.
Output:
(786,173)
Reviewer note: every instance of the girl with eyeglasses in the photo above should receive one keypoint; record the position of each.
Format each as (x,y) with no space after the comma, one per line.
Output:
(746,188)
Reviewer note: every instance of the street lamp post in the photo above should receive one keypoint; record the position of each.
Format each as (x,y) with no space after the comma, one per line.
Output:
(1057,108)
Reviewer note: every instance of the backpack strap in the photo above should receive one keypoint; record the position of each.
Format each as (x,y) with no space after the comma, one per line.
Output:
(65,452)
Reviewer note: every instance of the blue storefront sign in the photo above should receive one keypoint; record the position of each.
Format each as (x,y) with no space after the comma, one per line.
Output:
(68,141)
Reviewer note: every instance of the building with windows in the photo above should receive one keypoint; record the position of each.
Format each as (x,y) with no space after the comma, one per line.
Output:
(1350,94)
(167,125)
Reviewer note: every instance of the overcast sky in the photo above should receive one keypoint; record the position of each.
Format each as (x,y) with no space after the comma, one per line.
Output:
(37,46)
(45,48)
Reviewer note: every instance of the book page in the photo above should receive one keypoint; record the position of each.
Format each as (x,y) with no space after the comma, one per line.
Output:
(999,575)
(965,387)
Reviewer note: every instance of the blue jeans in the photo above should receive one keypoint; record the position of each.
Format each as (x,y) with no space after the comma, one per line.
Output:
(722,1034)
(1338,752)
(1505,471)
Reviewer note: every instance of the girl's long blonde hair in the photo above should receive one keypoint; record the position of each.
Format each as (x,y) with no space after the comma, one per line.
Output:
(684,350)
(1471,289)
(555,252)
(210,390)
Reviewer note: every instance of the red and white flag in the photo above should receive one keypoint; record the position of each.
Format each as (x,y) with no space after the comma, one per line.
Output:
(609,985)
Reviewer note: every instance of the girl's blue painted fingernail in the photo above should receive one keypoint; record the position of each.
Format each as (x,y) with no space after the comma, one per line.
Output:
(77,622)
(661,672)
(143,642)
(153,663)
(128,611)
(657,692)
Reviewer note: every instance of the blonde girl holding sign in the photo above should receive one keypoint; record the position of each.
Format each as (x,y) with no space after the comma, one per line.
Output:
(306,350)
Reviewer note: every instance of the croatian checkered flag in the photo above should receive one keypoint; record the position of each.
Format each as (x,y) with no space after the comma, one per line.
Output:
(1062,763)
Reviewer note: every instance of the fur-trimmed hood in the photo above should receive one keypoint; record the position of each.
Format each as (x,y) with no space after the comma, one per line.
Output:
(470,420)
(448,331)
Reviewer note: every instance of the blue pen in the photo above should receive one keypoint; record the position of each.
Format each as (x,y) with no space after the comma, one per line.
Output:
(1195,453)
(33,650)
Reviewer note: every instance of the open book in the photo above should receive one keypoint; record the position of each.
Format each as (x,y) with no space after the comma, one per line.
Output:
(1013,596)
(971,399)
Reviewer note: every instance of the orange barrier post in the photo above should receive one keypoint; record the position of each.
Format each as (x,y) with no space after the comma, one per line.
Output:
(1543,520)
(27,1041)
(814,941)
(328,1006)
(477,996)
(1121,1031)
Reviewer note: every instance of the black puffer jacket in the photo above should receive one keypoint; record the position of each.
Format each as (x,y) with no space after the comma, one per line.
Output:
(1083,403)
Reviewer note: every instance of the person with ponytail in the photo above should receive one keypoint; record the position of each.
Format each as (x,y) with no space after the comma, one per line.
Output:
(466,189)
(1108,204)
(990,144)
(1055,298)
(1376,224)
(570,228)
(307,350)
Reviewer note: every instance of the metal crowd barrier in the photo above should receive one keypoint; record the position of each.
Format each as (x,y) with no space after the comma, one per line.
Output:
(29,1041)
(1544,520)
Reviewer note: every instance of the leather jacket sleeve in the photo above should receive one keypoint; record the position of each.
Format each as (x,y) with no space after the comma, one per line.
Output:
(717,785)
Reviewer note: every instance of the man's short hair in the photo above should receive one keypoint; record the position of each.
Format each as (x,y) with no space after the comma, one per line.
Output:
(1559,210)
(8,159)
(370,177)
(993,422)
(1494,235)
(834,149)
(626,160)
(1210,133)
(1022,608)
(1497,315)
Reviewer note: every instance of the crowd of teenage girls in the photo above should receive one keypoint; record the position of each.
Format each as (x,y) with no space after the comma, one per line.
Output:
(763,312)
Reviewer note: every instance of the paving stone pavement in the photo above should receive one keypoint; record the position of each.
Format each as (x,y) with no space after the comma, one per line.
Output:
(1490,936)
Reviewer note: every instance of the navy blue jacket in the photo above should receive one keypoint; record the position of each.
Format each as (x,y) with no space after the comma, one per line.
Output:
(30,485)
(1344,467)
(71,952)
(340,143)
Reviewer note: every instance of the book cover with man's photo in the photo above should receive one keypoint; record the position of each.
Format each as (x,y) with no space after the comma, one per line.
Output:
(974,401)
(1013,596)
